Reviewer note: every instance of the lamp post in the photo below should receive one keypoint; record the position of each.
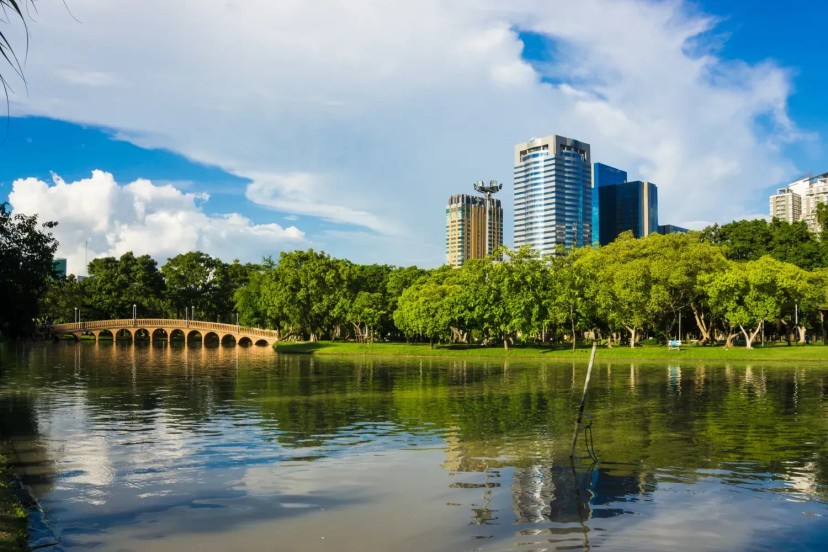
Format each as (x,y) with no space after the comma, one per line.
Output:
(192,312)
(75,319)
(134,313)
(237,322)
(186,318)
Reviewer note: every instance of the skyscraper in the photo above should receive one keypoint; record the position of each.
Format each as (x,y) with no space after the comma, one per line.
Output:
(553,194)
(603,175)
(627,206)
(471,232)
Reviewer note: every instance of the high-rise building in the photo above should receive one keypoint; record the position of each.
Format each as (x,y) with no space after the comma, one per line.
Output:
(807,193)
(553,194)
(474,227)
(665,229)
(627,206)
(786,205)
(602,175)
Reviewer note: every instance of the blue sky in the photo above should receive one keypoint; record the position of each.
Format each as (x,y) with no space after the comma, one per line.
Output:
(348,138)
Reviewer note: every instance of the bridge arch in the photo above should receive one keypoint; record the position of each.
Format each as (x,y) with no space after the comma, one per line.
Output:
(160,328)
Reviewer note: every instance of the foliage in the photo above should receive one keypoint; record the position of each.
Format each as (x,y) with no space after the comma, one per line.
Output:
(114,286)
(26,254)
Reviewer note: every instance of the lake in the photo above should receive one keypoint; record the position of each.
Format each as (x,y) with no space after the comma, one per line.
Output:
(165,447)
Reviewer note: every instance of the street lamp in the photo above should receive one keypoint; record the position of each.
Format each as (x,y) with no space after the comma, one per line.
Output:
(237,322)
(192,312)
(134,313)
(75,319)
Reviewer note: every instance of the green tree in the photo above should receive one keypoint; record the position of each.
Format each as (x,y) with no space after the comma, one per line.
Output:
(200,283)
(427,309)
(26,255)
(303,290)
(748,293)
(115,285)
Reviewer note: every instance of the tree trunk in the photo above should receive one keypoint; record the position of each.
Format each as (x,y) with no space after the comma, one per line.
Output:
(750,336)
(505,343)
(702,325)
(802,331)
(313,337)
(632,336)
(729,342)
(822,325)
(572,321)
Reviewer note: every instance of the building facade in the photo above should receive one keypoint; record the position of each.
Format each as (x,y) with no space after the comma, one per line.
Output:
(553,194)
(627,206)
(665,229)
(799,200)
(474,228)
(786,205)
(602,175)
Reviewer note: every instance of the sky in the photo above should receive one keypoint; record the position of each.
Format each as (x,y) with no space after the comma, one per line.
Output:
(243,129)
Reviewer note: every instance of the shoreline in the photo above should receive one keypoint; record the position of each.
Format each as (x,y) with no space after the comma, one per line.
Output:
(769,353)
(13,516)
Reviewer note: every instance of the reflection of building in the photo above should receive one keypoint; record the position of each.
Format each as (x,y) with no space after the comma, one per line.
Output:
(474,228)
(553,194)
(628,206)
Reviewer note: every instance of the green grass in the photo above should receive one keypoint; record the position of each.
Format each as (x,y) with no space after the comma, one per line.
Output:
(13,536)
(771,352)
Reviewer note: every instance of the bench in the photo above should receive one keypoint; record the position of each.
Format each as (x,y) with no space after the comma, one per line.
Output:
(674,345)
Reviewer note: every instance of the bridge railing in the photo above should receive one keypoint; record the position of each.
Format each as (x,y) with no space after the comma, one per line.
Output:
(165,323)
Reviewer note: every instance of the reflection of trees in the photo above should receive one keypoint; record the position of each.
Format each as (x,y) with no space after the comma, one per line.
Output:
(19,433)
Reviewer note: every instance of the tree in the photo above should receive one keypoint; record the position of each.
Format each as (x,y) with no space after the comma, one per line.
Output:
(26,256)
(567,296)
(115,285)
(427,309)
(303,290)
(746,294)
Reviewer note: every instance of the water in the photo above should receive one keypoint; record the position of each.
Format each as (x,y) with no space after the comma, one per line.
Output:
(174,448)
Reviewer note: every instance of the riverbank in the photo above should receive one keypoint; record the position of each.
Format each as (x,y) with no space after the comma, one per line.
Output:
(770,352)
(13,536)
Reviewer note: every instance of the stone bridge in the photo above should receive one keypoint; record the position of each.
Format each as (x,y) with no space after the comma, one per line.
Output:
(165,329)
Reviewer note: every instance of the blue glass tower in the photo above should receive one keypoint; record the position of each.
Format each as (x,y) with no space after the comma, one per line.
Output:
(553,194)
(603,175)
(627,206)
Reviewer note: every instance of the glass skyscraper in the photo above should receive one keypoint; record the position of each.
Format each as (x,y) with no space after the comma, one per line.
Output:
(603,175)
(627,206)
(553,194)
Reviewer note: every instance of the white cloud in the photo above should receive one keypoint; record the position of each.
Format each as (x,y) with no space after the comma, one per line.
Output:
(99,217)
(372,112)
(87,78)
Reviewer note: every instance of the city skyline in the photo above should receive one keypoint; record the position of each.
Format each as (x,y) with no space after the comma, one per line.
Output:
(350,138)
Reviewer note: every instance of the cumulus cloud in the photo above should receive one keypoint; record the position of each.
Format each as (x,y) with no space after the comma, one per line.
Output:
(371,113)
(99,217)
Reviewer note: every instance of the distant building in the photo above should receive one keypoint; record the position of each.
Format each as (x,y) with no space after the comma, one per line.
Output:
(799,200)
(59,268)
(553,194)
(671,229)
(602,175)
(786,205)
(627,206)
(467,227)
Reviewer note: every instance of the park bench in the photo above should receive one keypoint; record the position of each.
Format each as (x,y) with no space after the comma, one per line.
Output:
(674,345)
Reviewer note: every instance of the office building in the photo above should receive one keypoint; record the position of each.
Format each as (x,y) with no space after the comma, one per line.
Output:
(602,175)
(472,230)
(786,205)
(627,206)
(553,194)
(59,268)
(665,229)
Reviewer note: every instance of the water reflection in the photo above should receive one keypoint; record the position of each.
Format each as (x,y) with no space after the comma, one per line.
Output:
(156,446)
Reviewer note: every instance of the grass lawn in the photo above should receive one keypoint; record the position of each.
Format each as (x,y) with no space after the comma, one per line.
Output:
(13,536)
(770,352)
